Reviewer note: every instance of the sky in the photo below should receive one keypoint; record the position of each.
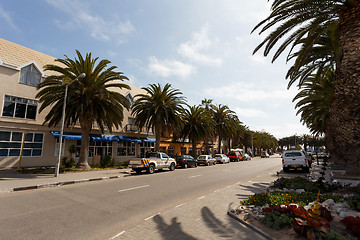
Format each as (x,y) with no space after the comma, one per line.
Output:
(204,48)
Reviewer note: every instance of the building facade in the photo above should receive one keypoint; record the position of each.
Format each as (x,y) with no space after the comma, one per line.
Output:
(22,133)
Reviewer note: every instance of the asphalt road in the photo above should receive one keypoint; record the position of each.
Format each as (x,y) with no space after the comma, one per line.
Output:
(117,209)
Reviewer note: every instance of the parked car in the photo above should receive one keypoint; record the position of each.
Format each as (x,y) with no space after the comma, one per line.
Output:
(235,156)
(206,160)
(246,157)
(185,161)
(222,158)
(264,155)
(295,160)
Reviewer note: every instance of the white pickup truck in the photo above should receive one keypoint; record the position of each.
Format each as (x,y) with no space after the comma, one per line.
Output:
(154,160)
(295,159)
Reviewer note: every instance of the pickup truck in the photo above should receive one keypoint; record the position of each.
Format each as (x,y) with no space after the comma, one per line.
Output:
(295,159)
(153,161)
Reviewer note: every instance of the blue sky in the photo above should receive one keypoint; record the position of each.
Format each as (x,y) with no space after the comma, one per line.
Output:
(202,47)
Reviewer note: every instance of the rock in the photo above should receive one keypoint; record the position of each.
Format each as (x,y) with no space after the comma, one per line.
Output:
(300,190)
(247,216)
(329,203)
(261,217)
(342,214)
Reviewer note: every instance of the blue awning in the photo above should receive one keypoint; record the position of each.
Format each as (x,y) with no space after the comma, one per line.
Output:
(129,139)
(68,135)
(104,138)
(151,140)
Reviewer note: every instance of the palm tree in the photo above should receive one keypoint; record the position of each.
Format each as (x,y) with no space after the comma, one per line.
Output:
(195,126)
(90,99)
(158,108)
(311,19)
(314,101)
(223,117)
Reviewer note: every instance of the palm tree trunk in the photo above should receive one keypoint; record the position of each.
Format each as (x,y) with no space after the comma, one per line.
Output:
(220,138)
(194,154)
(158,129)
(344,120)
(84,150)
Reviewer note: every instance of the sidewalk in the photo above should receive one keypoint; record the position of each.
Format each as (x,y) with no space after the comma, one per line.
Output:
(11,181)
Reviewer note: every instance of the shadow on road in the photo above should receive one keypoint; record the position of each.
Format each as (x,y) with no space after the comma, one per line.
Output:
(217,229)
(250,190)
(172,230)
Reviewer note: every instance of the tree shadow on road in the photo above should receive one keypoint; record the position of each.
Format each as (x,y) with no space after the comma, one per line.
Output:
(172,231)
(251,189)
(217,228)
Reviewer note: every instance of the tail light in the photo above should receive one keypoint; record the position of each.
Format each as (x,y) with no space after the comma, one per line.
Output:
(282,161)
(183,160)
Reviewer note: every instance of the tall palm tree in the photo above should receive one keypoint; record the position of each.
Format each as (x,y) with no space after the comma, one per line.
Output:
(92,99)
(158,108)
(314,101)
(312,18)
(206,105)
(223,117)
(195,126)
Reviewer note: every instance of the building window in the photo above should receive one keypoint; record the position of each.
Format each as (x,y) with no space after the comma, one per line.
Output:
(29,75)
(10,144)
(171,151)
(126,149)
(146,147)
(100,148)
(130,98)
(19,107)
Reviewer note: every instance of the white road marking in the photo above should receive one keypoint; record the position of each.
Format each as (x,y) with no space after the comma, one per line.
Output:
(151,216)
(201,197)
(117,235)
(128,189)
(226,170)
(195,176)
(250,181)
(180,205)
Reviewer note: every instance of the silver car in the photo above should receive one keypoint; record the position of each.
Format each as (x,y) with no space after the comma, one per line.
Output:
(206,160)
(222,158)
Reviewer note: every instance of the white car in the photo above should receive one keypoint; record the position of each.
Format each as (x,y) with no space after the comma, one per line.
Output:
(206,160)
(295,159)
(222,158)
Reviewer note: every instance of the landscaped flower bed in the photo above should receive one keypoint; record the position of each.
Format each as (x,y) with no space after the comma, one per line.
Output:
(303,212)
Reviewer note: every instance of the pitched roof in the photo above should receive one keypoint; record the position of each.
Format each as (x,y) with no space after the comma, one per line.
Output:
(14,55)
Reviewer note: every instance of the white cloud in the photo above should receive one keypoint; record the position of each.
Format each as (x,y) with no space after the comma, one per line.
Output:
(192,49)
(168,68)
(6,16)
(99,28)
(249,92)
(250,112)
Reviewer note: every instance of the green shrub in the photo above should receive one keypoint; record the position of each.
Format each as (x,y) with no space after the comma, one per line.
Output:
(354,202)
(68,163)
(106,161)
(303,183)
(284,198)
(276,221)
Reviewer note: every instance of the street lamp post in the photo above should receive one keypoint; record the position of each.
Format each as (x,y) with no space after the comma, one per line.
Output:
(82,75)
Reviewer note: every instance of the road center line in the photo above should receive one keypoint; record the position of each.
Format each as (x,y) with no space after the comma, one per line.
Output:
(117,235)
(151,216)
(128,189)
(195,176)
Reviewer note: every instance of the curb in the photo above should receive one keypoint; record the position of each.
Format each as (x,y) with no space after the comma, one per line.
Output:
(255,229)
(59,184)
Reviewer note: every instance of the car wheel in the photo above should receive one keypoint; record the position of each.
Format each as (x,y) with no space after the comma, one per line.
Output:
(214,163)
(151,169)
(195,164)
(185,165)
(285,169)
(172,167)
(208,164)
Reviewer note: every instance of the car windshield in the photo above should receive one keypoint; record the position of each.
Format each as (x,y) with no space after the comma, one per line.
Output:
(232,154)
(202,157)
(180,157)
(153,155)
(293,154)
(218,155)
